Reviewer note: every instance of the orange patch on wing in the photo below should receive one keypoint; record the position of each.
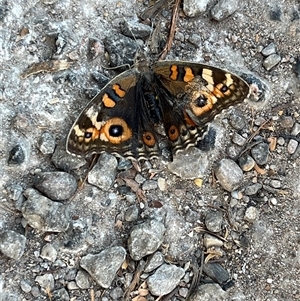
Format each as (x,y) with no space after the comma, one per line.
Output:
(198,111)
(149,139)
(124,135)
(174,72)
(120,92)
(107,101)
(188,120)
(189,76)
(173,133)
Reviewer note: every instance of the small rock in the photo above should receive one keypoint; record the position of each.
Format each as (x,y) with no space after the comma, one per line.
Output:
(214,221)
(131,213)
(238,139)
(154,262)
(145,238)
(46,144)
(117,293)
(121,49)
(237,121)
(209,292)
(259,121)
(66,162)
(296,129)
(270,49)
(25,286)
(246,162)
(195,39)
(60,294)
(149,185)
(135,29)
(253,189)
(251,214)
(49,252)
(260,153)
(184,164)
(223,9)
(57,185)
(16,155)
(72,285)
(217,273)
(162,184)
(46,281)
(165,279)
(275,184)
(183,292)
(104,172)
(292,146)
(280,141)
(12,244)
(229,174)
(44,214)
(104,266)
(271,61)
(193,8)
(211,241)
(14,191)
(82,280)
(287,122)
(273,201)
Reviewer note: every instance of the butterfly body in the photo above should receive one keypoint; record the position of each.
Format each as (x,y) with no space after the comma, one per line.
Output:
(171,102)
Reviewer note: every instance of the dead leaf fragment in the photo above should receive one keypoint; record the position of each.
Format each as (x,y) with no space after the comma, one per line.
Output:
(49,66)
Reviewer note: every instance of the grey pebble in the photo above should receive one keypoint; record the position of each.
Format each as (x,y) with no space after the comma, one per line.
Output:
(214,221)
(251,214)
(103,266)
(25,286)
(184,164)
(296,129)
(46,144)
(259,121)
(46,281)
(216,272)
(154,262)
(145,238)
(268,50)
(60,294)
(49,252)
(72,285)
(121,49)
(275,183)
(135,29)
(238,139)
(223,9)
(139,178)
(9,296)
(56,185)
(117,293)
(165,279)
(253,189)
(104,172)
(287,122)
(14,191)
(229,174)
(281,141)
(260,153)
(16,155)
(246,162)
(209,292)
(149,185)
(12,244)
(292,146)
(131,213)
(66,162)
(183,292)
(195,39)
(82,280)
(237,121)
(193,8)
(43,214)
(271,61)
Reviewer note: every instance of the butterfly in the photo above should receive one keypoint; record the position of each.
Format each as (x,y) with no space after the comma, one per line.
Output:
(143,110)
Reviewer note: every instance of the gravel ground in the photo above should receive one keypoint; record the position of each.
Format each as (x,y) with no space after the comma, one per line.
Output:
(228,211)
